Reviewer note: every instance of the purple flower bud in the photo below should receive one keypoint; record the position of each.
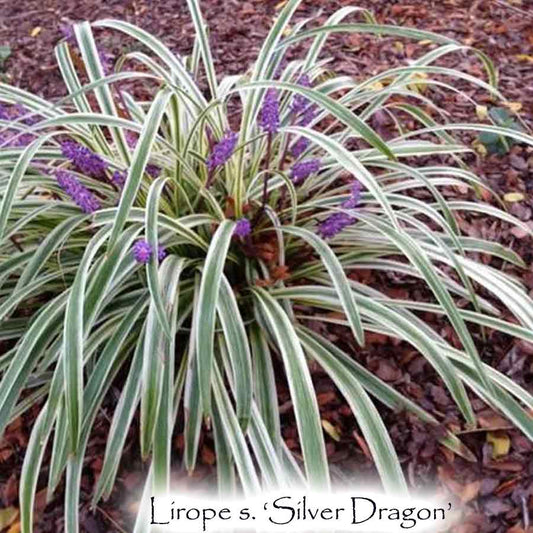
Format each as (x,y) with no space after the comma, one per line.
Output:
(131,139)
(106,60)
(19,113)
(15,138)
(86,161)
(355,196)
(23,140)
(222,151)
(68,32)
(301,106)
(161,253)
(336,222)
(142,251)
(307,116)
(300,146)
(299,102)
(301,171)
(242,228)
(4,113)
(16,113)
(5,138)
(153,170)
(119,178)
(270,112)
(18,110)
(82,196)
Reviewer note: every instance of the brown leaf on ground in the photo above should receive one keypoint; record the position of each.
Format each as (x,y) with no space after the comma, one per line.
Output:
(208,456)
(520,529)
(10,490)
(470,491)
(464,492)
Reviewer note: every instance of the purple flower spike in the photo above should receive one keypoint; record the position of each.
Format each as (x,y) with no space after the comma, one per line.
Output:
(300,103)
(68,32)
(300,146)
(153,170)
(6,139)
(335,223)
(242,228)
(161,253)
(301,106)
(4,113)
(119,178)
(23,140)
(23,115)
(142,251)
(131,139)
(301,171)
(82,196)
(270,112)
(86,161)
(19,110)
(307,116)
(106,60)
(355,196)
(222,151)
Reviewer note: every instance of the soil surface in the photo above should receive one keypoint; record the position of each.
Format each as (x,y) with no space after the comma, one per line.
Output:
(497,489)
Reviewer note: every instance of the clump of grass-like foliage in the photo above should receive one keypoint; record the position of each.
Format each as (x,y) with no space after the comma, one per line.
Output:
(149,241)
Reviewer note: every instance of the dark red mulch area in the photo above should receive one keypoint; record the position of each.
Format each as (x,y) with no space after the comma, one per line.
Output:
(498,490)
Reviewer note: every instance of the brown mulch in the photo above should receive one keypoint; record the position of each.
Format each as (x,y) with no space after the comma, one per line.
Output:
(497,488)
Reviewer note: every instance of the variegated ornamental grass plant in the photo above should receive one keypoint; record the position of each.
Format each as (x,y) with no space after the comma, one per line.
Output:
(149,244)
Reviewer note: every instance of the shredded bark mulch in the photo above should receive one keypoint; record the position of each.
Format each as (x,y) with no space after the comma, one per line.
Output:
(496,489)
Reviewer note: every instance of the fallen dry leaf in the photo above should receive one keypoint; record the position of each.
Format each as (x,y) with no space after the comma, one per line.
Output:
(418,84)
(331,430)
(501,443)
(480,148)
(7,516)
(519,233)
(398,46)
(524,57)
(15,528)
(326,397)
(470,491)
(208,456)
(482,112)
(363,445)
(519,529)
(515,107)
(513,197)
